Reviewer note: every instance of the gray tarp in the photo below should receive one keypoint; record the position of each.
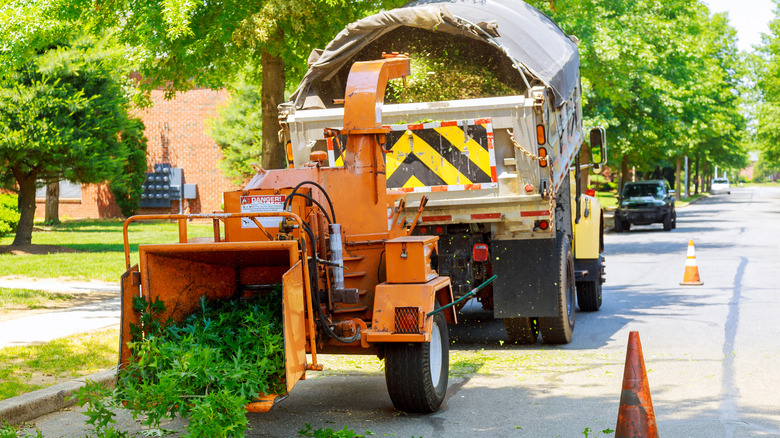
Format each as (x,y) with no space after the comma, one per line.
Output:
(526,35)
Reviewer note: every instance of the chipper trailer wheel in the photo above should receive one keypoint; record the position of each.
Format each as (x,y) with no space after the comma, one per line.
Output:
(417,373)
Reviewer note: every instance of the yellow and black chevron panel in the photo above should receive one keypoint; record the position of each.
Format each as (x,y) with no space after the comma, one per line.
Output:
(336,145)
(436,156)
(441,156)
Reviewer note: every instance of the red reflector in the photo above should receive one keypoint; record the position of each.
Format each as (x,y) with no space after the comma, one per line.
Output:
(535,213)
(439,230)
(479,252)
(423,230)
(590,192)
(543,225)
(477,216)
(437,218)
(529,188)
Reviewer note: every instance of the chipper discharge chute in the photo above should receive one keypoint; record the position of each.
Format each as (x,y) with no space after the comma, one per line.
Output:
(354,280)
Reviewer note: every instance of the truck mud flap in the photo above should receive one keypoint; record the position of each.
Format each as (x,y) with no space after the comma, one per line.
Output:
(527,278)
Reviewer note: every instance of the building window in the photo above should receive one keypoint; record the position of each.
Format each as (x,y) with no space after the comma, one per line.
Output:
(68,190)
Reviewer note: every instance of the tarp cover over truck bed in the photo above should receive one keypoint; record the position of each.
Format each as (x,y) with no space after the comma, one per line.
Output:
(533,43)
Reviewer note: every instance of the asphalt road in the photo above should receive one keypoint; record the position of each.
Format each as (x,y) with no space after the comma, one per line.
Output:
(712,351)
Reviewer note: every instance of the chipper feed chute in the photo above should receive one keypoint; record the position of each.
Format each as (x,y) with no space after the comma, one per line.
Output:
(180,274)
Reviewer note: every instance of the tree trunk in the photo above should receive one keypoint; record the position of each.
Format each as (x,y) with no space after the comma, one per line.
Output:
(52,203)
(696,178)
(272,95)
(677,185)
(688,179)
(623,173)
(26,184)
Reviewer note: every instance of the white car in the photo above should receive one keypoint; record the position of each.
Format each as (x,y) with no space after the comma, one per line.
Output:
(720,185)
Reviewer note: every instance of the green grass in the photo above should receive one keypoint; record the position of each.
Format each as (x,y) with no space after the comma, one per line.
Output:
(29,299)
(607,199)
(100,243)
(28,368)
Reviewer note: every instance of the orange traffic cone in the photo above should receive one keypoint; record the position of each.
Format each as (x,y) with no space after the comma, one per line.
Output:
(636,417)
(691,277)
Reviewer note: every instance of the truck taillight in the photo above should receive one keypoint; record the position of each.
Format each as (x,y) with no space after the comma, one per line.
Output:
(542,225)
(542,157)
(540,137)
(590,192)
(290,158)
(480,252)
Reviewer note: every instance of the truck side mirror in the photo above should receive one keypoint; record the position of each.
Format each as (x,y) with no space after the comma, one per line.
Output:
(598,146)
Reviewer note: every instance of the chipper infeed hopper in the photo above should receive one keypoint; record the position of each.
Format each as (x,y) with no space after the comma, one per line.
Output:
(353,278)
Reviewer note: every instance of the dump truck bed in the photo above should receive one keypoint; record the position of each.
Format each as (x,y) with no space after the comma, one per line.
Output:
(513,197)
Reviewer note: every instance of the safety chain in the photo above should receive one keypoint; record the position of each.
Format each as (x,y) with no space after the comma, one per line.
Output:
(551,196)
(523,150)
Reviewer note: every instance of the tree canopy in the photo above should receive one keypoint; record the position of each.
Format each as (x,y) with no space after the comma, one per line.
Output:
(767,80)
(662,76)
(64,113)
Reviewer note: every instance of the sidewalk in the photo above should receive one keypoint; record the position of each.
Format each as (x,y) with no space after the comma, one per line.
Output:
(44,327)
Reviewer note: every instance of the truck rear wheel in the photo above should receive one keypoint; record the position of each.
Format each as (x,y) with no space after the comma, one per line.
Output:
(520,330)
(417,373)
(589,295)
(589,292)
(558,329)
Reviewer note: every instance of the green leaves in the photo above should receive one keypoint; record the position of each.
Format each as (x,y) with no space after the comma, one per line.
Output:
(209,366)
(663,76)
(767,78)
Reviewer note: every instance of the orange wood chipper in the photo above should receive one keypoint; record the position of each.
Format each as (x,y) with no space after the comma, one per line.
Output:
(354,279)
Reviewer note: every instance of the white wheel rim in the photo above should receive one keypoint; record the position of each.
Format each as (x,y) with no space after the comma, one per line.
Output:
(435,354)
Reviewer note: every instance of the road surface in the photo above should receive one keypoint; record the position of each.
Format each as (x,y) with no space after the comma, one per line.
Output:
(711,351)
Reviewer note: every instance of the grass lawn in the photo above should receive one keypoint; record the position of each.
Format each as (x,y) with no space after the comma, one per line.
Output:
(27,368)
(30,299)
(99,246)
(607,199)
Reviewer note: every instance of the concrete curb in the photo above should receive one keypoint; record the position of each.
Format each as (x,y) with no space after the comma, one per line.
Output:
(44,401)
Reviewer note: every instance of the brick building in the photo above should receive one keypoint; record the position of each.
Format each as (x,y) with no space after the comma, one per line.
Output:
(176,131)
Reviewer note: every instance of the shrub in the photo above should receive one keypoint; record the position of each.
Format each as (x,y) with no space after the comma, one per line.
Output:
(9,213)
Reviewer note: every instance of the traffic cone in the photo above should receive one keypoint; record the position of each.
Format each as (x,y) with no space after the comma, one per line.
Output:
(691,277)
(636,417)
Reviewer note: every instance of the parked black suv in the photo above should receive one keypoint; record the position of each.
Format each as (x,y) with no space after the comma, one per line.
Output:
(646,202)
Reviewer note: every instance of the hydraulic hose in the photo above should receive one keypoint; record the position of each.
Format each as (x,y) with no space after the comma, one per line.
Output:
(316,297)
(468,295)
(332,212)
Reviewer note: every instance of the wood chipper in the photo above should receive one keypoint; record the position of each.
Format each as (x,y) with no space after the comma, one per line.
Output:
(354,279)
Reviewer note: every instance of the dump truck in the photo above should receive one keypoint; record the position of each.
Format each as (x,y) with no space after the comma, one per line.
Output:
(499,172)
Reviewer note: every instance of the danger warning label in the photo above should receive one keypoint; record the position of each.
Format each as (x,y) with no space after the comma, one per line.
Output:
(262,204)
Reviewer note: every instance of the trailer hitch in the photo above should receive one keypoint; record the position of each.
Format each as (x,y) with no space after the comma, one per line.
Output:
(468,295)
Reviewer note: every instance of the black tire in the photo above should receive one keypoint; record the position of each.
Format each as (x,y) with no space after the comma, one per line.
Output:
(409,374)
(618,225)
(668,221)
(521,330)
(589,295)
(559,329)
(674,219)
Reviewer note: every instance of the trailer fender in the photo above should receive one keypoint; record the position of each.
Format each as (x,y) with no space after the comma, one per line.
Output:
(400,310)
